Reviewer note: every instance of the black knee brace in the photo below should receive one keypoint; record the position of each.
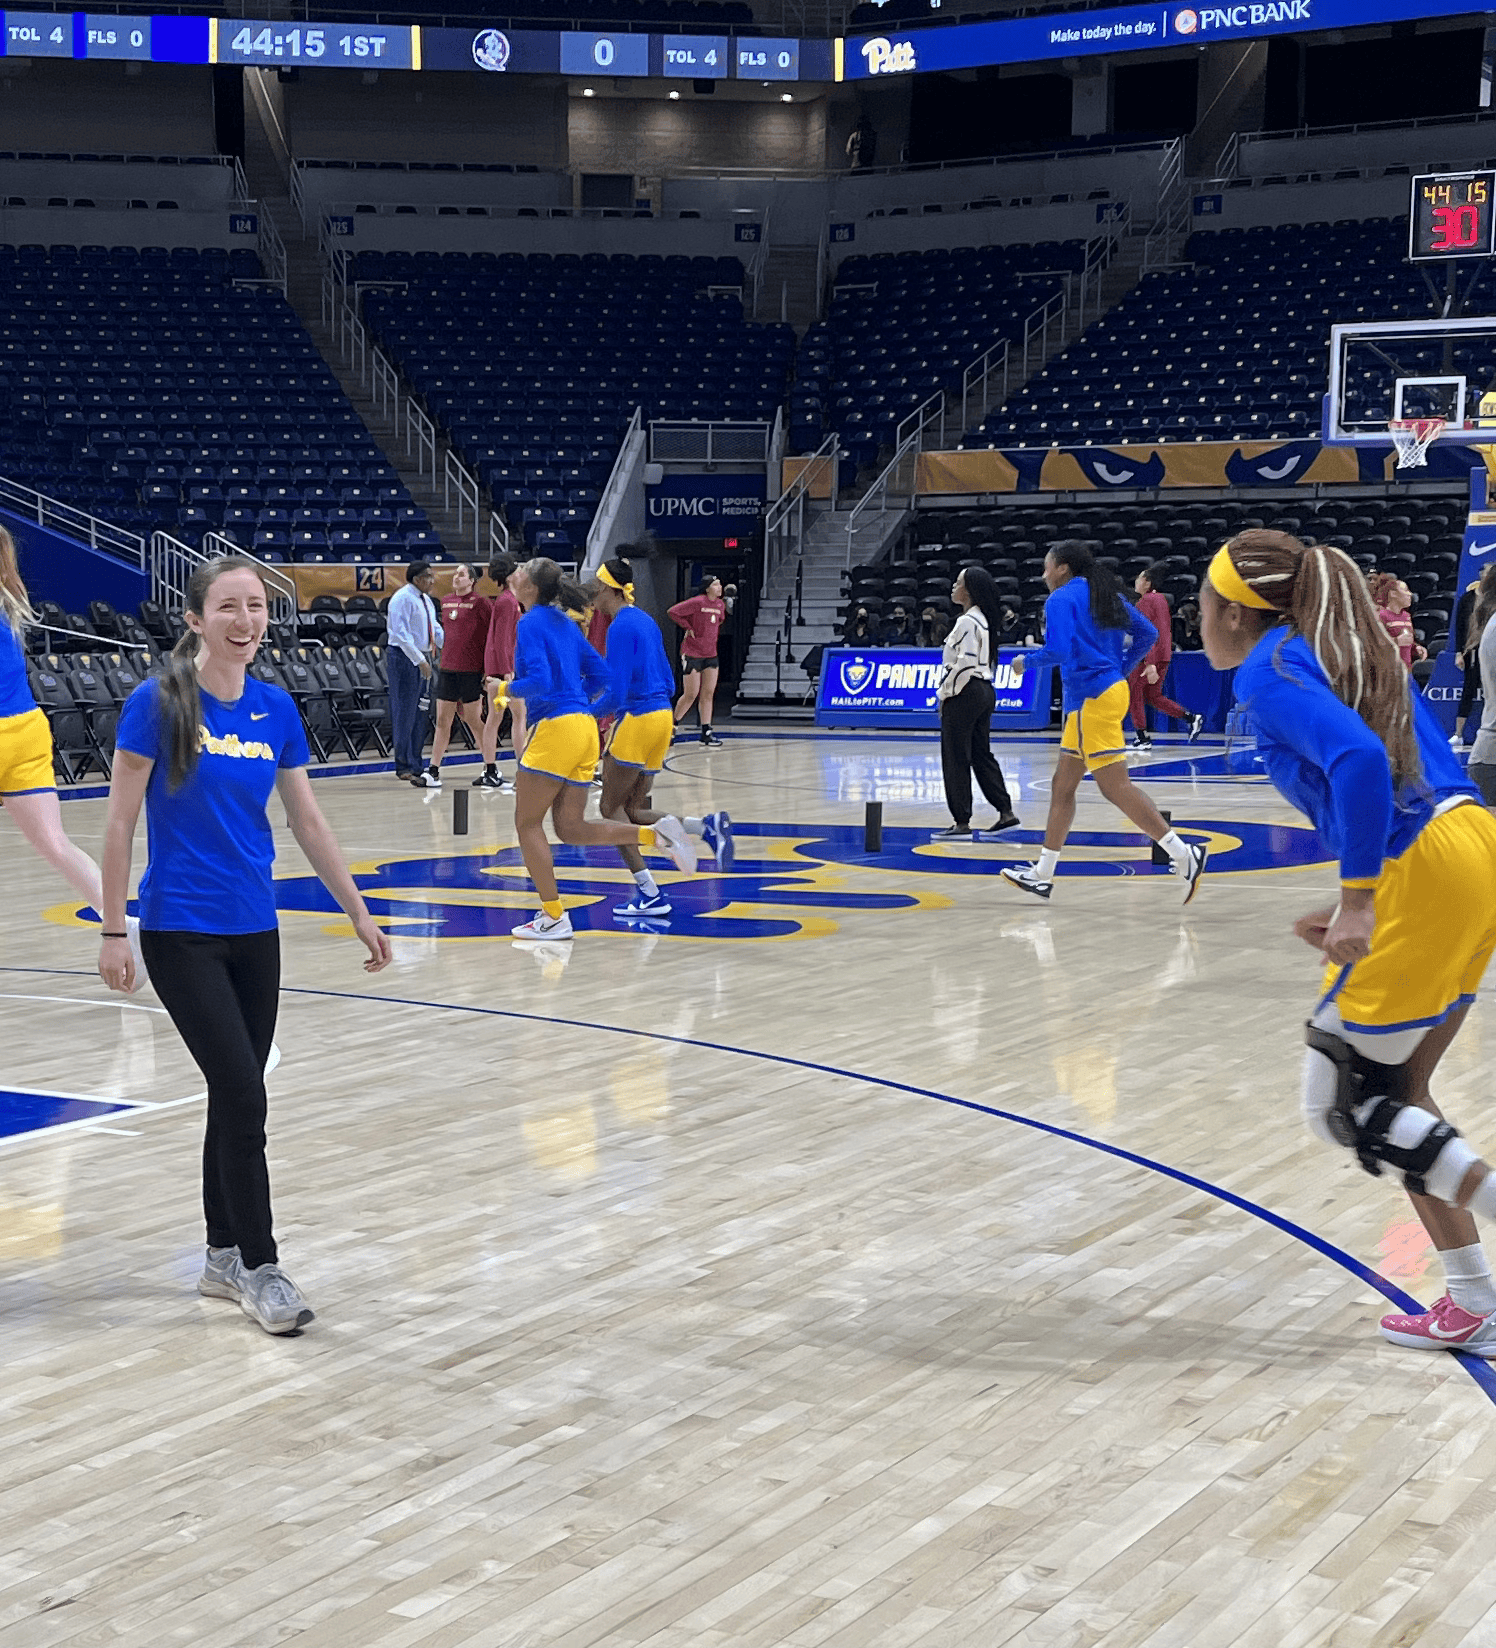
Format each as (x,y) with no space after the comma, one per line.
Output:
(1362,1082)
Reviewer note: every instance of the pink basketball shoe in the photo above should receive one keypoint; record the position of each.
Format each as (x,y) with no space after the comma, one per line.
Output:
(1443,1326)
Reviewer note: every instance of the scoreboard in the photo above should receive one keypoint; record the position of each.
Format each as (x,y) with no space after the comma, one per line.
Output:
(287,42)
(1450,216)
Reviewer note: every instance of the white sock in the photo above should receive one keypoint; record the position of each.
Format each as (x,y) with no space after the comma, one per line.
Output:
(1467,1278)
(694,826)
(1175,848)
(1048,858)
(645,882)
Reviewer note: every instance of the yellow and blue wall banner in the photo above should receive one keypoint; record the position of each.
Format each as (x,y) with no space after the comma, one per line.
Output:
(1181,464)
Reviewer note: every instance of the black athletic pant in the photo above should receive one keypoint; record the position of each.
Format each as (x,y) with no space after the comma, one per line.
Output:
(222,992)
(1470,670)
(966,748)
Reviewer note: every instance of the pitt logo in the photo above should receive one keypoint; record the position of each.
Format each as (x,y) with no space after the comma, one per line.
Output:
(884,57)
(251,750)
(855,675)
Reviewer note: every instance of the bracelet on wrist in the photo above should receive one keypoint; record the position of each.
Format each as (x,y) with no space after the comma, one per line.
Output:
(114,935)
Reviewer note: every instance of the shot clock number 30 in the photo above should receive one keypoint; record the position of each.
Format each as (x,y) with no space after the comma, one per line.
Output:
(1450,215)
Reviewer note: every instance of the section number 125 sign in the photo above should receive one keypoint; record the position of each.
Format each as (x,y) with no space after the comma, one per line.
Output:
(1450,215)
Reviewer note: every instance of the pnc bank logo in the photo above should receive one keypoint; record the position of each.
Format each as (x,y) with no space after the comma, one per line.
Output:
(1260,14)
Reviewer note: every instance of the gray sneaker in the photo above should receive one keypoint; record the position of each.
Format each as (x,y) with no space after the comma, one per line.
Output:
(221,1274)
(273,1300)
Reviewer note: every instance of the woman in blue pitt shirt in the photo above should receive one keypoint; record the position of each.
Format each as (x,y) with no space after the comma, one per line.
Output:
(202,745)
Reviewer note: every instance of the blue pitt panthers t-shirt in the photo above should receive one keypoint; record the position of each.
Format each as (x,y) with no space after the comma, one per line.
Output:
(210,848)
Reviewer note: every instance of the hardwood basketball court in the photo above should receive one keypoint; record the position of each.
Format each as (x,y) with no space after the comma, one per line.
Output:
(876,1257)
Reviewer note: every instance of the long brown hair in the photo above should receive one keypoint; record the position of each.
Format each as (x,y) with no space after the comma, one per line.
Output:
(553,587)
(1483,610)
(1323,596)
(181,698)
(15,604)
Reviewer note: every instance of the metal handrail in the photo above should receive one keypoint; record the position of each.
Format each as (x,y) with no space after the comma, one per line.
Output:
(285,599)
(271,247)
(172,564)
(615,490)
(73,522)
(977,376)
(784,520)
(459,481)
(760,258)
(909,441)
(1229,159)
(1037,326)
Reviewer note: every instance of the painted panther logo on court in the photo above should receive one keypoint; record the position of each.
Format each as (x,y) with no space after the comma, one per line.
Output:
(789,881)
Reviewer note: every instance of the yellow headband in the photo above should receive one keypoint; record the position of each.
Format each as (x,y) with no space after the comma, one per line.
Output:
(606,577)
(1228,582)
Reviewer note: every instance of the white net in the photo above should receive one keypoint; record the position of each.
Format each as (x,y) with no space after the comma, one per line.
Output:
(1413,437)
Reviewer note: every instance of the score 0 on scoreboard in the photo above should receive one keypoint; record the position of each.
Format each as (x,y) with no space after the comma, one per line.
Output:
(1450,216)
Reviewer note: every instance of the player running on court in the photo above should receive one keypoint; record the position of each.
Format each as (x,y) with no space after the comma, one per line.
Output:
(1346,740)
(28,784)
(564,686)
(1095,637)
(641,739)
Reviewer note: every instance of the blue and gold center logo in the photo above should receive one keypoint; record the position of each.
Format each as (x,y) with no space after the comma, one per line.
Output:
(788,882)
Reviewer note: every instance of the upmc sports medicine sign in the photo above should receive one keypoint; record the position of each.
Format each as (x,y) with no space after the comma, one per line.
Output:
(706,506)
(895,687)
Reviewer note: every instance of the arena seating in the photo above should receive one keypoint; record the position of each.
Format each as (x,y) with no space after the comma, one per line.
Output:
(145,387)
(880,353)
(534,365)
(332,664)
(1231,348)
(1419,538)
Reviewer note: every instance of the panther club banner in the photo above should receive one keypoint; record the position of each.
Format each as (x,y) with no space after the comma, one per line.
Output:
(895,687)
(1182,464)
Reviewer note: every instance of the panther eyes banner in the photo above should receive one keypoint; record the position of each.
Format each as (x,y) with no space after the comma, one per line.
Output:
(1183,464)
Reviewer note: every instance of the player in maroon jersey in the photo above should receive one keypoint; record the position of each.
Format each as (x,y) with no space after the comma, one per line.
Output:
(1146,681)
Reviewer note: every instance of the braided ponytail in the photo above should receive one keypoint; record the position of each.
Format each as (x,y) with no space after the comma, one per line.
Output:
(1322,595)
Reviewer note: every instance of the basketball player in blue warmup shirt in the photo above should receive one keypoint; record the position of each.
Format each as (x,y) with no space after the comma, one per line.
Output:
(1347,741)
(565,686)
(641,740)
(202,745)
(1095,637)
(28,785)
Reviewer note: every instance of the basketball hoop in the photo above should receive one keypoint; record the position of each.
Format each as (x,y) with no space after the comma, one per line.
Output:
(1413,437)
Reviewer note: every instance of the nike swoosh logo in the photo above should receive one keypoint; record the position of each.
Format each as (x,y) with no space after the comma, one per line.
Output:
(1481,549)
(260,717)
(1439,1332)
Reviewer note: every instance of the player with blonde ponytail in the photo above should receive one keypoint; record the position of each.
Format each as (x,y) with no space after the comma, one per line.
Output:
(1347,740)
(28,785)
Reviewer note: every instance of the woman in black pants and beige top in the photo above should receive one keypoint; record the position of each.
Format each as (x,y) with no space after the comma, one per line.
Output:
(967,700)
(203,744)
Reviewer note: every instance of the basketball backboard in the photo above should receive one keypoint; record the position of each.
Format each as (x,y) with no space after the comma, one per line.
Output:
(1384,371)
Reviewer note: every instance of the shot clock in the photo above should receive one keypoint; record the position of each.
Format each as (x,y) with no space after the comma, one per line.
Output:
(1450,216)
